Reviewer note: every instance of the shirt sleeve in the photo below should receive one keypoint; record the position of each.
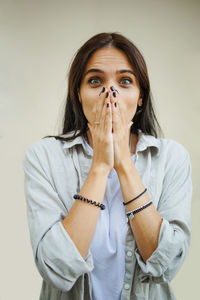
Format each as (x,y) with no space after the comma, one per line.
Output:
(175,232)
(56,256)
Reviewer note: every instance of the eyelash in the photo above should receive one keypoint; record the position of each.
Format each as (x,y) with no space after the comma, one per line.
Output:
(97,78)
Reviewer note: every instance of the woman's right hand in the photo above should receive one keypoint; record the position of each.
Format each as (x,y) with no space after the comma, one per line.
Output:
(102,138)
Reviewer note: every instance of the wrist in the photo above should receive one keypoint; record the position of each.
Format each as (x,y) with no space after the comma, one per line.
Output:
(124,167)
(99,169)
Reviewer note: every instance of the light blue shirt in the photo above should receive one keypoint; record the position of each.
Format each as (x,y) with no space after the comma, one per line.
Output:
(55,171)
(108,243)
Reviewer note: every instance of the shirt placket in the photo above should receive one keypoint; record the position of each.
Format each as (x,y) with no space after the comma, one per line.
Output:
(129,265)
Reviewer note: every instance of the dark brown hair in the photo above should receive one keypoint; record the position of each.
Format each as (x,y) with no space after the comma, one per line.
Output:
(74,118)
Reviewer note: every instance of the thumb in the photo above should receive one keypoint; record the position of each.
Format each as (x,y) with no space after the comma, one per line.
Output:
(90,128)
(130,124)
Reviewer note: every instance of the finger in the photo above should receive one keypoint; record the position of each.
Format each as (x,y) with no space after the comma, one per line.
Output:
(116,115)
(99,106)
(107,117)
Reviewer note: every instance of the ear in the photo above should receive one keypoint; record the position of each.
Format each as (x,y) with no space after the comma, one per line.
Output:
(140,102)
(79,96)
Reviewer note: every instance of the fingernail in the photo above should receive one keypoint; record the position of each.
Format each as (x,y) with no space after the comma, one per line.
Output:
(114,94)
(115,104)
(112,88)
(102,91)
(107,104)
(107,94)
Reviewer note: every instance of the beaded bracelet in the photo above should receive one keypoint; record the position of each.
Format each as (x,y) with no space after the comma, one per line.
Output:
(102,206)
(125,203)
(135,211)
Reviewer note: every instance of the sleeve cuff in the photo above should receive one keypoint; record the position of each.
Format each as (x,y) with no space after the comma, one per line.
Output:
(61,264)
(159,261)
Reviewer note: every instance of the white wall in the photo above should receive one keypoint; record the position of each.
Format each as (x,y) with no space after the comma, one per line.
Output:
(37,42)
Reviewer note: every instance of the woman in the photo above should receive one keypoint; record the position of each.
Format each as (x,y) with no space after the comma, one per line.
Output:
(108,201)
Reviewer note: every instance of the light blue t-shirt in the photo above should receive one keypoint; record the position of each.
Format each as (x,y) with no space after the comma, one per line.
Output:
(108,243)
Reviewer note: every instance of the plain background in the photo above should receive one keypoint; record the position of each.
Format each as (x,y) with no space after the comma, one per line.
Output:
(38,40)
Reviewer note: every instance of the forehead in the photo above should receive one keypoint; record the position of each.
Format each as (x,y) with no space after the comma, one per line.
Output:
(107,57)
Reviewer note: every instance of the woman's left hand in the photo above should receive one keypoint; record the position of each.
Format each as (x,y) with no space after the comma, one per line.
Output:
(121,135)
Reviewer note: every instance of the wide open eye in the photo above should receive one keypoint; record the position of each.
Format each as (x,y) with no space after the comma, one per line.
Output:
(126,81)
(94,80)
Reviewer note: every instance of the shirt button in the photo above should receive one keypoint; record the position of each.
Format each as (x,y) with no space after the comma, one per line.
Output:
(126,286)
(129,253)
(128,276)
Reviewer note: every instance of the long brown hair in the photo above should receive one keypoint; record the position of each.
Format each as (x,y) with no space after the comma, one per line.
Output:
(74,118)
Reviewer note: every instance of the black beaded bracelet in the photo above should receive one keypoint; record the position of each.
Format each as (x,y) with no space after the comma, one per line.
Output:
(77,196)
(135,211)
(125,203)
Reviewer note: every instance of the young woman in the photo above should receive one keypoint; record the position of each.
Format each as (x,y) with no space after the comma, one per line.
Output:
(108,201)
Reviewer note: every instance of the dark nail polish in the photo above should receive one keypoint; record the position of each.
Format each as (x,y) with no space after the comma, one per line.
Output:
(115,104)
(107,94)
(102,91)
(107,104)
(114,94)
(112,88)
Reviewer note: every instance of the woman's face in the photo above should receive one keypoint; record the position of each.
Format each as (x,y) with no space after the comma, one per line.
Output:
(112,69)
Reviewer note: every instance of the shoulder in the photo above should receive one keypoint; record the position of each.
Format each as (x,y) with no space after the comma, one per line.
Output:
(43,145)
(172,147)
(162,148)
(172,153)
(46,149)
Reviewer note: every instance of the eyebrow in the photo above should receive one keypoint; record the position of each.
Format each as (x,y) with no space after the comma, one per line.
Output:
(101,71)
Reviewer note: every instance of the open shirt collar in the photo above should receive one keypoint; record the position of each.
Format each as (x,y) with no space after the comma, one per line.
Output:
(144,142)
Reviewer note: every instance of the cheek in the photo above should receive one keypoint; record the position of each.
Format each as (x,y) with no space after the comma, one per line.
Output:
(89,96)
(130,95)
(129,103)
(89,101)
